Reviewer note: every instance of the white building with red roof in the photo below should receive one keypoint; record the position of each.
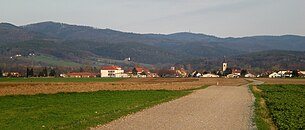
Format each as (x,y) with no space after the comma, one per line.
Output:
(141,72)
(112,71)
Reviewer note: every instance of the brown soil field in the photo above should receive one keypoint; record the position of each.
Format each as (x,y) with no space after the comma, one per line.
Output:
(30,88)
(282,80)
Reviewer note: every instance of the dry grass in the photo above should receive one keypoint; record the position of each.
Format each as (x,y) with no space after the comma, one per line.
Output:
(282,81)
(28,88)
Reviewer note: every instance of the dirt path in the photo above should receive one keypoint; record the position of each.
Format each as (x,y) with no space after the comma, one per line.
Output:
(216,107)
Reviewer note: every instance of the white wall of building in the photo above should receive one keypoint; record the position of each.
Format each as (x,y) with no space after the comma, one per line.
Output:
(113,73)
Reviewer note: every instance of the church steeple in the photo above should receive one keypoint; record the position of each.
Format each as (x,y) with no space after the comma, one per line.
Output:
(224,64)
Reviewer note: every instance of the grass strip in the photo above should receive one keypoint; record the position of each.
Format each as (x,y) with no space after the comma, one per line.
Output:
(262,117)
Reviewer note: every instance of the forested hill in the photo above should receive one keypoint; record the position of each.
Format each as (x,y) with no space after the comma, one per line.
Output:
(86,45)
(256,61)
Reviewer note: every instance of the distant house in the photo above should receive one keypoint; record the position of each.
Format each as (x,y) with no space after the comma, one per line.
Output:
(281,74)
(236,71)
(285,73)
(81,75)
(195,74)
(113,71)
(181,73)
(250,75)
(232,76)
(275,75)
(265,74)
(301,73)
(141,72)
(11,74)
(172,72)
(210,76)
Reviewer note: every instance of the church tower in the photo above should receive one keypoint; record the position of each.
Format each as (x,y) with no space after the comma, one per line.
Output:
(224,64)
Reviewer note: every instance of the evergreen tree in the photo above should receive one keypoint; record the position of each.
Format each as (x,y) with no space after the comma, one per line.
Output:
(81,69)
(41,74)
(27,72)
(52,72)
(45,72)
(243,73)
(295,73)
(31,73)
(134,71)
(1,73)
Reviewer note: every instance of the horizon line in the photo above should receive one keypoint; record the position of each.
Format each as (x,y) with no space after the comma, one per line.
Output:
(157,33)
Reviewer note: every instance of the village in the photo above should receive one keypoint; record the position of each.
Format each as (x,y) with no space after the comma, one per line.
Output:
(114,71)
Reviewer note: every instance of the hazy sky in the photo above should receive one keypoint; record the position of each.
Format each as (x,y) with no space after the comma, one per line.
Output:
(222,18)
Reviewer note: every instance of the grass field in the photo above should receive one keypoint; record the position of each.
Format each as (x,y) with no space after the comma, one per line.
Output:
(60,79)
(76,110)
(50,60)
(280,106)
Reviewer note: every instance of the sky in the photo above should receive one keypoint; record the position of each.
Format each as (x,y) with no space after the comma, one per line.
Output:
(222,18)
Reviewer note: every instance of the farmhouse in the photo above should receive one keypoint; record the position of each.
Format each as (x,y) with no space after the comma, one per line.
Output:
(250,75)
(210,76)
(236,71)
(232,76)
(81,75)
(11,74)
(285,73)
(275,75)
(141,72)
(301,73)
(195,74)
(112,71)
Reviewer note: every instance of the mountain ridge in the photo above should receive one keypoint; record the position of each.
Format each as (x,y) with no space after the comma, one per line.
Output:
(93,43)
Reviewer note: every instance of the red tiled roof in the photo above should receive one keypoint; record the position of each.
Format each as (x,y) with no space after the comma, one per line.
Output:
(141,69)
(236,71)
(111,68)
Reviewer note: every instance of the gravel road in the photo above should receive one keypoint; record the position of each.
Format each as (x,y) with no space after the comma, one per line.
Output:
(216,107)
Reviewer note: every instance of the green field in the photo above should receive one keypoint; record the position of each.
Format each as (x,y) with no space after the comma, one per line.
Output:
(76,110)
(60,79)
(285,106)
(50,60)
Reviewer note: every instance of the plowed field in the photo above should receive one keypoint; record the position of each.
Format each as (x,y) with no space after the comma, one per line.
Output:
(31,88)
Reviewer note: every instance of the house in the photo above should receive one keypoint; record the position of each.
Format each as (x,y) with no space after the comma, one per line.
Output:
(181,73)
(250,75)
(301,73)
(232,76)
(265,74)
(210,76)
(141,72)
(236,71)
(172,72)
(81,75)
(113,71)
(285,73)
(275,75)
(195,74)
(11,74)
